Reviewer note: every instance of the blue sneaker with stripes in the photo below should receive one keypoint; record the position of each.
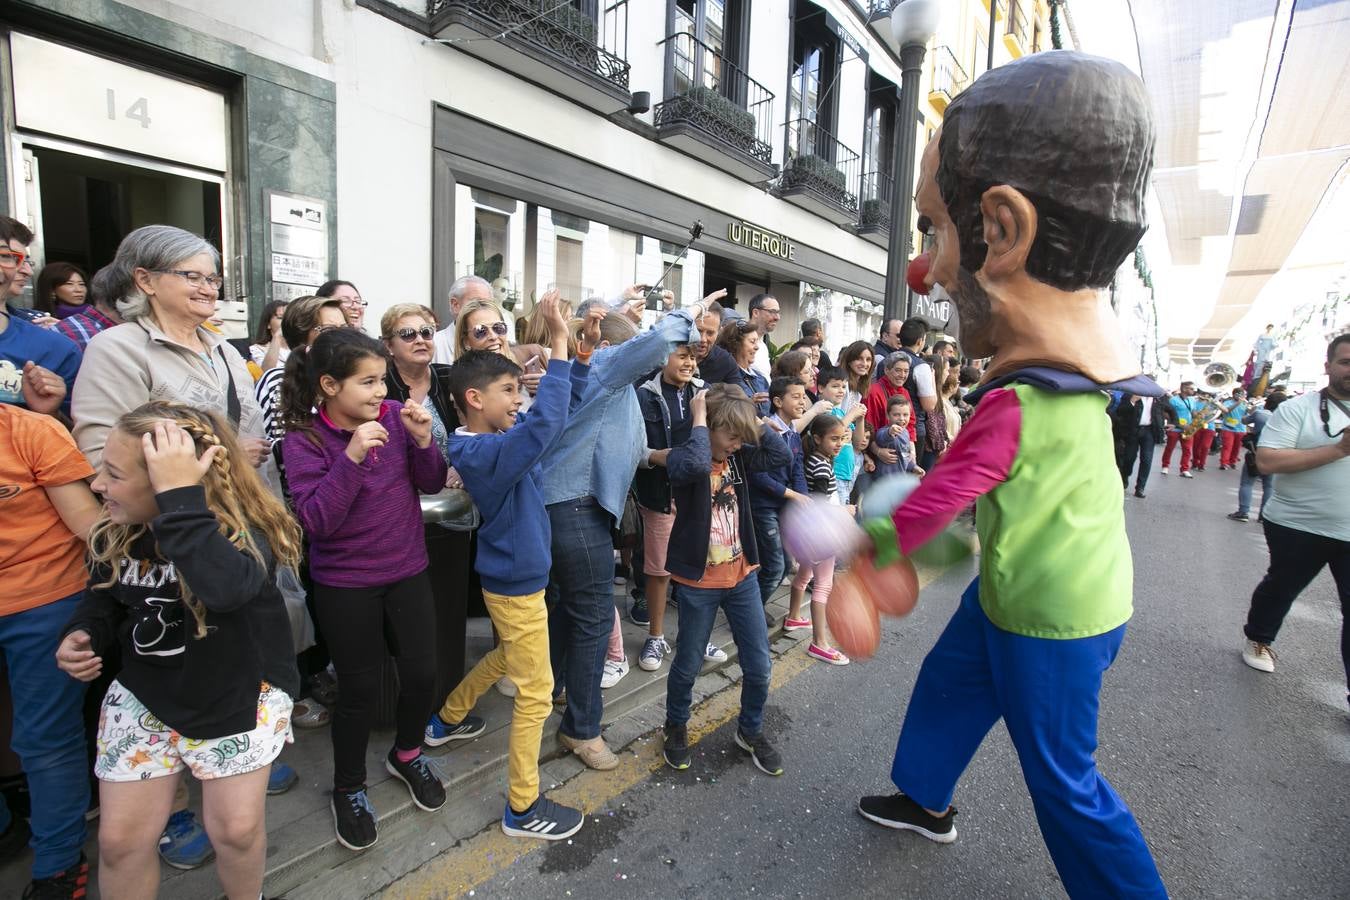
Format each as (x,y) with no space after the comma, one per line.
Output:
(545,819)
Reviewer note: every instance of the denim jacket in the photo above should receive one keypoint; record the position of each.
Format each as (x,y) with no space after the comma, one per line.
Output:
(601,446)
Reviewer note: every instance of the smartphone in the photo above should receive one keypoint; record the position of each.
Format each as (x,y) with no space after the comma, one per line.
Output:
(533,364)
(654,301)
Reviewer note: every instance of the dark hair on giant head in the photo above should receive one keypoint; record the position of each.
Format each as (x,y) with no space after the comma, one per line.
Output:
(1074,135)
(475,370)
(262,334)
(820,428)
(52,276)
(334,353)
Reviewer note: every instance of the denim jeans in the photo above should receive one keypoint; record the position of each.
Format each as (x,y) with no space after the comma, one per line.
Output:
(48,732)
(745,615)
(580,609)
(1245,485)
(770,544)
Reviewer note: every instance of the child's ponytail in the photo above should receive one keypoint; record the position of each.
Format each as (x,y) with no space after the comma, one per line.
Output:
(334,353)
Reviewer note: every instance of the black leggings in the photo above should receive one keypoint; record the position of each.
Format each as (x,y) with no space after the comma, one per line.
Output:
(361,626)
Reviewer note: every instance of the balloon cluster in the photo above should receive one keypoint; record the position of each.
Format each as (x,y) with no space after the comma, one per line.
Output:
(817,531)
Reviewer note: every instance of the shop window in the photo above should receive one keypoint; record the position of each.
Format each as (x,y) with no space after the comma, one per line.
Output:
(567,269)
(491,244)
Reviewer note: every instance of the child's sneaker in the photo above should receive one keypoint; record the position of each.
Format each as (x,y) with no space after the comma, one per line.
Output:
(765,758)
(439,731)
(615,670)
(184,844)
(506,687)
(791,624)
(676,749)
(545,819)
(827,654)
(420,778)
(714,653)
(900,812)
(639,614)
(281,779)
(354,819)
(654,649)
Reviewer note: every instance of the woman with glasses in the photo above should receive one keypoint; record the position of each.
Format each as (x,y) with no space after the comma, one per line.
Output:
(353,307)
(482,326)
(166,284)
(409,331)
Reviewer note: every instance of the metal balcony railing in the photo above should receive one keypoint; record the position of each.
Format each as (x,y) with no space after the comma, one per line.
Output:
(875,209)
(1018,25)
(816,161)
(948,76)
(706,90)
(559,30)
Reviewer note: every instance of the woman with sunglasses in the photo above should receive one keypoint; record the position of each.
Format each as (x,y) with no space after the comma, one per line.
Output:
(409,331)
(482,326)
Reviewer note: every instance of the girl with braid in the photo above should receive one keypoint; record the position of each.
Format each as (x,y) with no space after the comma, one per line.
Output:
(184,558)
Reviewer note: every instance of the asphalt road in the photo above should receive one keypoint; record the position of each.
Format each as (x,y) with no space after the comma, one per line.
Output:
(1239,780)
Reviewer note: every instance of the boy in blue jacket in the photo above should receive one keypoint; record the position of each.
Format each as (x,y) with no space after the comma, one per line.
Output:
(771,489)
(712,559)
(498,458)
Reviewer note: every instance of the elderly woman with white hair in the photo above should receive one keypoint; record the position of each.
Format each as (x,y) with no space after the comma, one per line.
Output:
(165,283)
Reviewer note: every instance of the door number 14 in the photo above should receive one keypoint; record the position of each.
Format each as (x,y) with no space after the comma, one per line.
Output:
(139,111)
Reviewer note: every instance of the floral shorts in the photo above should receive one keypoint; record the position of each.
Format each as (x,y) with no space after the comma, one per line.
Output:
(133,745)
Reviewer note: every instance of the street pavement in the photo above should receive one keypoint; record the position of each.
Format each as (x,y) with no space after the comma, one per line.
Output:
(1238,778)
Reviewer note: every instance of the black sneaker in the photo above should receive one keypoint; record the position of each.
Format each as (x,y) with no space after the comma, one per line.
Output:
(639,613)
(423,783)
(68,885)
(900,812)
(1139,492)
(766,758)
(354,819)
(1239,517)
(439,731)
(676,749)
(546,819)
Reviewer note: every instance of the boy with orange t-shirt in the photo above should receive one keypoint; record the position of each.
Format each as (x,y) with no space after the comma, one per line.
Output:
(46,510)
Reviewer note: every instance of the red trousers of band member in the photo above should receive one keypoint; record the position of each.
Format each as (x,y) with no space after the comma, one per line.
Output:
(1203,441)
(1232,447)
(1172,438)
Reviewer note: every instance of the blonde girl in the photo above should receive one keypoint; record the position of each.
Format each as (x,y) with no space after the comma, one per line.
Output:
(184,558)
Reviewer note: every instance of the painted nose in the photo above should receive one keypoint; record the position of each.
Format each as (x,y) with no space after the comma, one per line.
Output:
(917,272)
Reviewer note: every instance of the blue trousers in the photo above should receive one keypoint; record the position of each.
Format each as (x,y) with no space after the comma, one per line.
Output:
(1046,692)
(1246,483)
(770,544)
(48,733)
(580,599)
(745,615)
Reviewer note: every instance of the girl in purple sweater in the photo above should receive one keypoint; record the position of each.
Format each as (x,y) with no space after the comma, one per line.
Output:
(354,464)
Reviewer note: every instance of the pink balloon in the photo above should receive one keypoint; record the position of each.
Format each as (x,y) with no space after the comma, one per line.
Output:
(815,531)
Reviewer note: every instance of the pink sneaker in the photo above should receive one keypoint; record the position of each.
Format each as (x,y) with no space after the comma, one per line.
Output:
(796,624)
(827,654)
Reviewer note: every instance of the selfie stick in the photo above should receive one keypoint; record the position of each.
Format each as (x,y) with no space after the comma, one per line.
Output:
(654,293)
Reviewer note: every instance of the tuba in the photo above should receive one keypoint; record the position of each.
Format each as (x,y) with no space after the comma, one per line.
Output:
(1219,377)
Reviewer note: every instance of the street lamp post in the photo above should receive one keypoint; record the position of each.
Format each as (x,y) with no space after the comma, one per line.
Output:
(913,23)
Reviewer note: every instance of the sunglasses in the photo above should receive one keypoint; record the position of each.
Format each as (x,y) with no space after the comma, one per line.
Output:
(408,335)
(12,258)
(481,331)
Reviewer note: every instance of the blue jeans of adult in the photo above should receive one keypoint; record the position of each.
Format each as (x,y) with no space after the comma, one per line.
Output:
(1046,692)
(48,733)
(1140,448)
(580,599)
(745,615)
(770,544)
(1245,485)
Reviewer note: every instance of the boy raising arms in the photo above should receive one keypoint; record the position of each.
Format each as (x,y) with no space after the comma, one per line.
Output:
(498,459)
(712,559)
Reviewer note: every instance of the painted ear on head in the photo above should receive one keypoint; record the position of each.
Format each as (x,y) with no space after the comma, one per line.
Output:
(1009,230)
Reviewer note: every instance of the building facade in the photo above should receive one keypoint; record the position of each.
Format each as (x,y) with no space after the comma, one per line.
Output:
(400,144)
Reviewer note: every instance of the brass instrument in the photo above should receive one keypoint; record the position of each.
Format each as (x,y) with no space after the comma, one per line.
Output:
(1219,377)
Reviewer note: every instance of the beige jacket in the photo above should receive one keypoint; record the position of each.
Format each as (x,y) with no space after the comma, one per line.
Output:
(135,363)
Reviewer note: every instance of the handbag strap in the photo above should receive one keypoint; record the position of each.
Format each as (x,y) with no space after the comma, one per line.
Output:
(233,409)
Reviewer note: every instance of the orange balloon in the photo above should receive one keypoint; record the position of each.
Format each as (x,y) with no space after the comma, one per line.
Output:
(852,618)
(893,589)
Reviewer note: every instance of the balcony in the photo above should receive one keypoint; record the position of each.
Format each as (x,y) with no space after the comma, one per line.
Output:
(949,79)
(555,46)
(874,213)
(714,111)
(1017,35)
(818,172)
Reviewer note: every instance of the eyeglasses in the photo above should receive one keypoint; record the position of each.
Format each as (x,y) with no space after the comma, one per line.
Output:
(196,280)
(481,331)
(353,304)
(12,258)
(408,335)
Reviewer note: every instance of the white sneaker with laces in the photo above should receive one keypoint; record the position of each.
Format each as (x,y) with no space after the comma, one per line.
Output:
(654,649)
(714,653)
(615,669)
(1259,656)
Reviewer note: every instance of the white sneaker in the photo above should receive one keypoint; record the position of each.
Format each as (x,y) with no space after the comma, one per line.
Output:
(1259,656)
(714,653)
(654,649)
(1164,470)
(1187,475)
(506,687)
(615,669)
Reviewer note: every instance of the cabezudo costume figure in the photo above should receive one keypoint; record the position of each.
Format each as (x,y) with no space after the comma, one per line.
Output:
(1033,192)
